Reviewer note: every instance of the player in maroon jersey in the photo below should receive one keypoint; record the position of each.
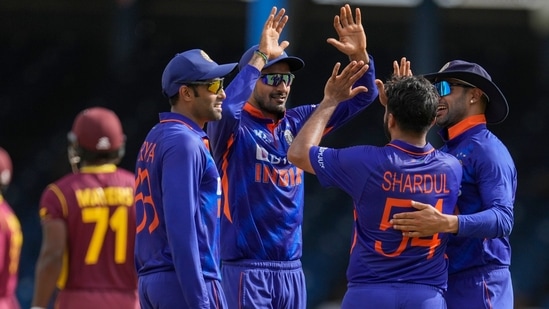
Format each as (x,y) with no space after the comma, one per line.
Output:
(88,222)
(11,239)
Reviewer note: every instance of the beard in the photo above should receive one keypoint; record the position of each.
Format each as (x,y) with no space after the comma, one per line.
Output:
(269,106)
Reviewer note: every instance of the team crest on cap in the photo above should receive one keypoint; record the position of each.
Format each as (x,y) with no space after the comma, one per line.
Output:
(205,56)
(5,177)
(103,143)
(444,67)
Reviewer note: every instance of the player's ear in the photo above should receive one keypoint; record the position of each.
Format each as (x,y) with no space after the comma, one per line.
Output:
(187,92)
(391,122)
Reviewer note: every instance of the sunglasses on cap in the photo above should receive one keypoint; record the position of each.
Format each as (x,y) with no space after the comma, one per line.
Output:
(214,86)
(444,87)
(277,78)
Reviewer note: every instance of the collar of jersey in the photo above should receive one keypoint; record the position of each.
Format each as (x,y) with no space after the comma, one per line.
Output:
(98,169)
(411,148)
(176,117)
(465,125)
(256,113)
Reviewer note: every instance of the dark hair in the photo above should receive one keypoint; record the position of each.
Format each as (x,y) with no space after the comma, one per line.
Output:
(413,102)
(175,97)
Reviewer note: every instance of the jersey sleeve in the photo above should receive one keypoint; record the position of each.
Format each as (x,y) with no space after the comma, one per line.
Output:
(53,204)
(497,181)
(181,172)
(339,167)
(238,92)
(346,110)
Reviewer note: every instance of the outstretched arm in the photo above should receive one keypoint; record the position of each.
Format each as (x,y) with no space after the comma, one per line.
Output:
(427,221)
(337,89)
(241,87)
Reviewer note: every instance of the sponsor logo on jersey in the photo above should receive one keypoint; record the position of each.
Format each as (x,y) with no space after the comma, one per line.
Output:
(261,154)
(262,135)
(320,157)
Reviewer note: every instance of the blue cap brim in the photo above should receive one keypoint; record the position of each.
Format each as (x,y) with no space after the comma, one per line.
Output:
(295,63)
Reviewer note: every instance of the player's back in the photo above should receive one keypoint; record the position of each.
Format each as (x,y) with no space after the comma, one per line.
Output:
(383,181)
(398,174)
(97,207)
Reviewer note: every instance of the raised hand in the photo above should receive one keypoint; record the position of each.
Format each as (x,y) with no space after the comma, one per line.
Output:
(352,38)
(404,69)
(270,35)
(339,86)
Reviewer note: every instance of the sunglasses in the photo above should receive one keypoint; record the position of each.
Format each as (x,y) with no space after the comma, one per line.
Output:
(214,86)
(277,78)
(444,87)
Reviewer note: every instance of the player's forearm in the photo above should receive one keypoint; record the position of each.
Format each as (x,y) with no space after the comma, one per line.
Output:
(310,135)
(490,223)
(450,224)
(239,90)
(47,273)
(361,55)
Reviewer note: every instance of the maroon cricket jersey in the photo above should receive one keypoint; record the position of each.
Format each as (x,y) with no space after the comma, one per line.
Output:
(11,240)
(96,205)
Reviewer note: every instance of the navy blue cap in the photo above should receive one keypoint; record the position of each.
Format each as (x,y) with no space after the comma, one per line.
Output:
(497,108)
(189,66)
(294,62)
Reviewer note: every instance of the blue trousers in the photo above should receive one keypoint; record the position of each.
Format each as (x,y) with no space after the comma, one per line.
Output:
(480,288)
(250,284)
(393,296)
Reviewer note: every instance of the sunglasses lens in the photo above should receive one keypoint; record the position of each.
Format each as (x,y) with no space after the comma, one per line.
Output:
(216,86)
(443,88)
(288,79)
(277,79)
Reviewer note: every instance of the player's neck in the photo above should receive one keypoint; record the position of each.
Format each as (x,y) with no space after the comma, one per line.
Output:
(412,139)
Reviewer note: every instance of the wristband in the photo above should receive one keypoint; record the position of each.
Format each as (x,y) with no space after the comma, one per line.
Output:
(263,55)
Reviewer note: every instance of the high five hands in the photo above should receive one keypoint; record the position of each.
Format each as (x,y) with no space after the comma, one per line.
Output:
(270,35)
(339,86)
(352,38)
(404,69)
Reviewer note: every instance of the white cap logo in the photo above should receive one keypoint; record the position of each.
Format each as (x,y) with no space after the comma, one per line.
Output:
(103,143)
(5,177)
(444,67)
(205,56)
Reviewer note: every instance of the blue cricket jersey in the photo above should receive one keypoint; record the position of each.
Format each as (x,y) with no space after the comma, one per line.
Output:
(382,181)
(485,206)
(177,199)
(263,193)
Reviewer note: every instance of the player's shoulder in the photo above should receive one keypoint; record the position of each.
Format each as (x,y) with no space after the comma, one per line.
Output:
(65,181)
(448,159)
(486,146)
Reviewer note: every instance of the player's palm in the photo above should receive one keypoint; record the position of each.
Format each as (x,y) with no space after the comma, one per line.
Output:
(352,38)
(271,34)
(339,86)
